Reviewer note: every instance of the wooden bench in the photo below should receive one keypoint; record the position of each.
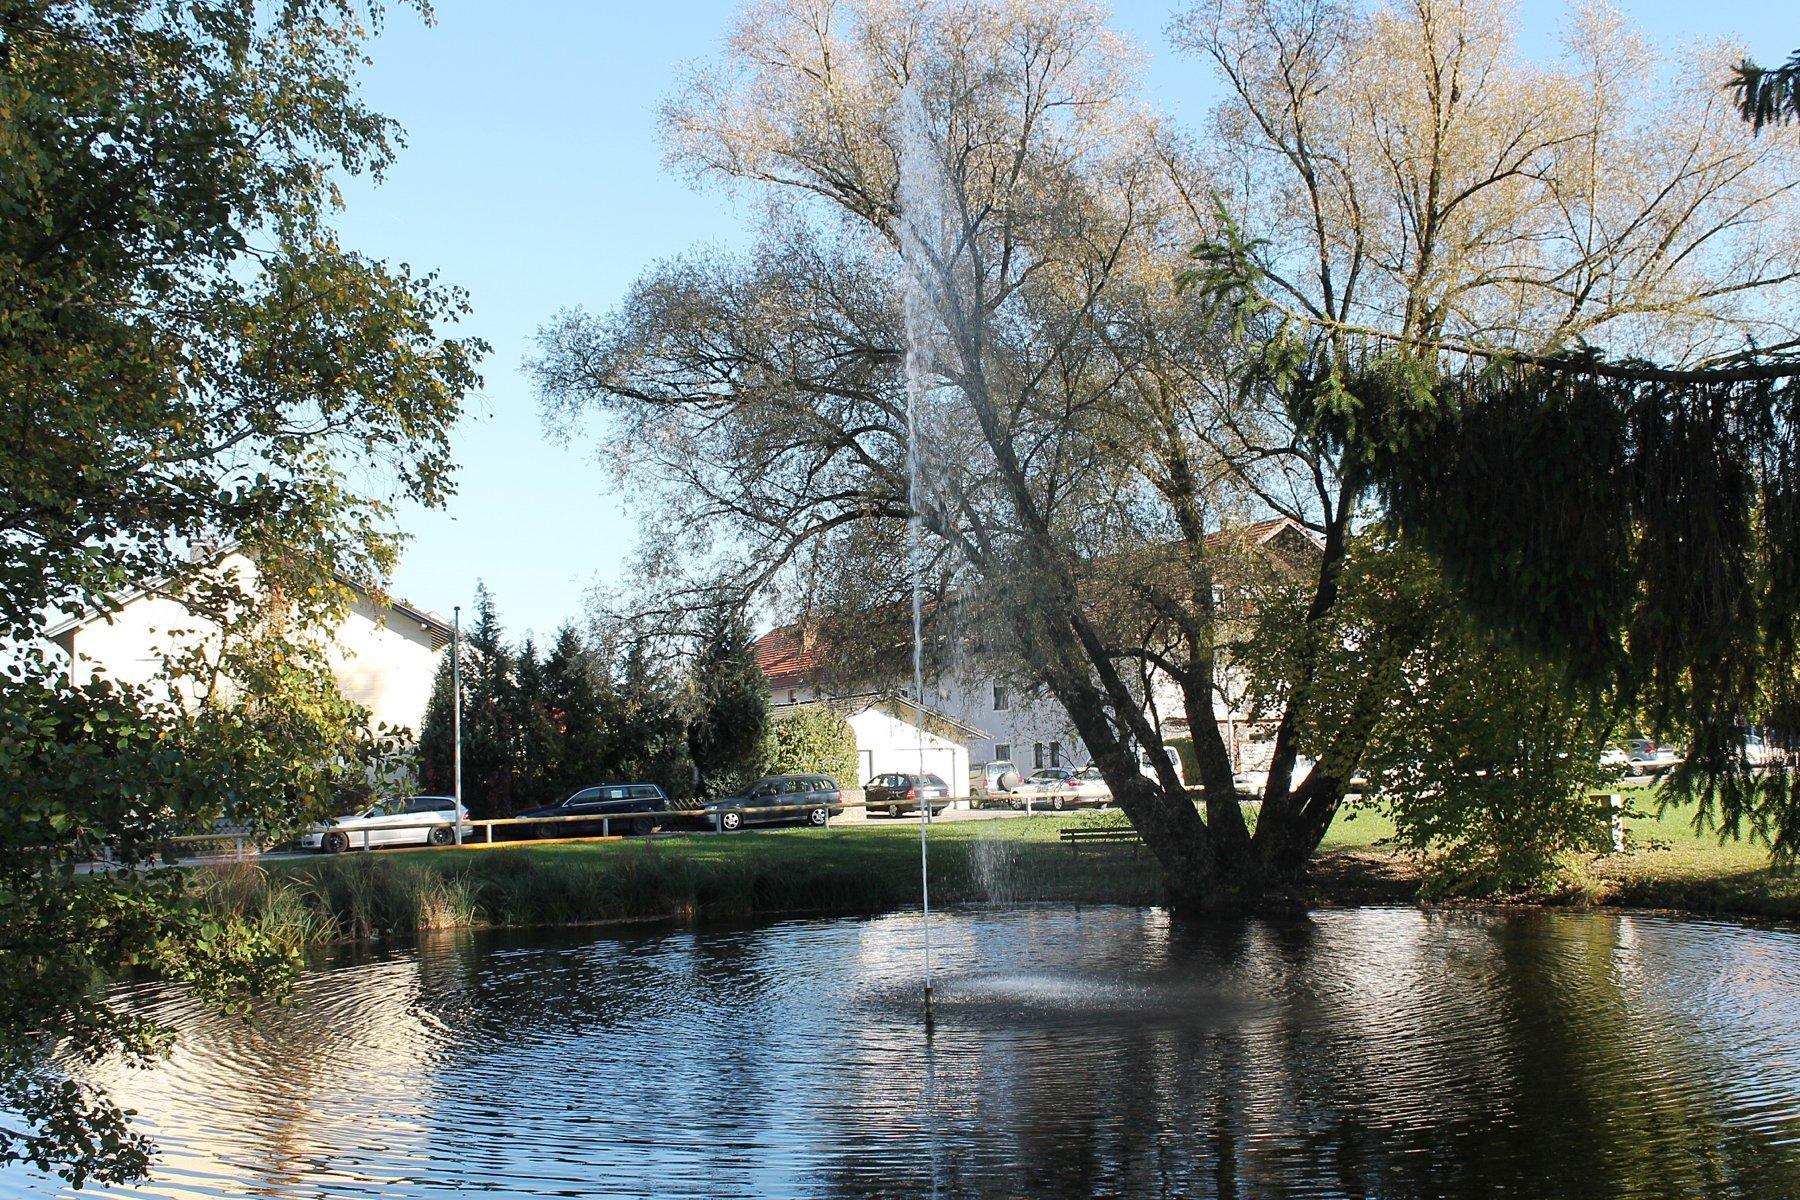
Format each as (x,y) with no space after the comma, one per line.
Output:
(1080,836)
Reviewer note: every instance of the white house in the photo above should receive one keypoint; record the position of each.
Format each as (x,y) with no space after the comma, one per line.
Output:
(893,734)
(999,720)
(383,652)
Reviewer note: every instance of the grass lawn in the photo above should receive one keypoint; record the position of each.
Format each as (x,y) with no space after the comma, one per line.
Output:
(1670,865)
(873,867)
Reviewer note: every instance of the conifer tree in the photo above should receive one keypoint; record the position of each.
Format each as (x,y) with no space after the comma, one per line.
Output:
(576,687)
(731,703)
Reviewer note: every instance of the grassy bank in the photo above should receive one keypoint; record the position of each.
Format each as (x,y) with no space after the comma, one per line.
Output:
(875,867)
(864,868)
(1670,865)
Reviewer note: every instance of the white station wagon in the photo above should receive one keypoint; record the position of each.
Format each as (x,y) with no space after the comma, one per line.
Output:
(408,821)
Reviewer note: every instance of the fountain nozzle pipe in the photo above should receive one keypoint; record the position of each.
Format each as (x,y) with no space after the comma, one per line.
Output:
(930,1016)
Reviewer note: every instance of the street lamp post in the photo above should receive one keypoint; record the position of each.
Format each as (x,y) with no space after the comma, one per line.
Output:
(456,718)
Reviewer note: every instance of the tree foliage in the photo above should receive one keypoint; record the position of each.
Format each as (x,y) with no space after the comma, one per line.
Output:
(598,707)
(1374,178)
(190,359)
(1768,95)
(1484,755)
(815,739)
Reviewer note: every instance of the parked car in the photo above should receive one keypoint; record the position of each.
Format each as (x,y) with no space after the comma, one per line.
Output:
(1254,784)
(769,801)
(1759,753)
(898,792)
(1614,761)
(614,807)
(994,779)
(407,821)
(1039,782)
(1147,764)
(1060,789)
(1648,758)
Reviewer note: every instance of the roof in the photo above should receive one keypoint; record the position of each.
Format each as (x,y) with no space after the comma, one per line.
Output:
(903,707)
(786,653)
(1261,533)
(790,653)
(931,716)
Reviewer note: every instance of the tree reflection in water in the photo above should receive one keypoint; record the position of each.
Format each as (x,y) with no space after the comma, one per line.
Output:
(1370,1052)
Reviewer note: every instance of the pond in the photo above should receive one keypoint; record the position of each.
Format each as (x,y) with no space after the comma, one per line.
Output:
(1100,1051)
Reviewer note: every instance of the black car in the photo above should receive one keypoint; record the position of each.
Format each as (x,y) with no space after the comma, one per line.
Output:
(898,792)
(626,807)
(776,798)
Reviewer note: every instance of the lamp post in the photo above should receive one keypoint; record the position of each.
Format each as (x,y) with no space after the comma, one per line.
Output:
(456,717)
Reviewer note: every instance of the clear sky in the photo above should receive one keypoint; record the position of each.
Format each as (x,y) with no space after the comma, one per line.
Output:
(532,177)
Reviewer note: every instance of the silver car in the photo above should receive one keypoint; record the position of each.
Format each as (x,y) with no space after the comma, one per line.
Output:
(408,821)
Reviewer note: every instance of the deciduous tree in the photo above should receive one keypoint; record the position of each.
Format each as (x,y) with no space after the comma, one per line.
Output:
(189,358)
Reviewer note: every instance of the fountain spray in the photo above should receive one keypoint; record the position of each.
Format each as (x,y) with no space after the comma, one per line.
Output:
(921,229)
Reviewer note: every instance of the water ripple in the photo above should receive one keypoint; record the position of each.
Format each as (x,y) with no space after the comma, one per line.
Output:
(1375,1052)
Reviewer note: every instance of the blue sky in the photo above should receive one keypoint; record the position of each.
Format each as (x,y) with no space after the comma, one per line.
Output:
(532,177)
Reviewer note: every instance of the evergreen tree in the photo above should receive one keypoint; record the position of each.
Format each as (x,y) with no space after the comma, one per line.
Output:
(489,738)
(731,704)
(437,744)
(576,687)
(1768,95)
(649,726)
(536,763)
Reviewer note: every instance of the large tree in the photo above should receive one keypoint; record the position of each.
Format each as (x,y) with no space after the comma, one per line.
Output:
(189,359)
(1452,270)
(980,227)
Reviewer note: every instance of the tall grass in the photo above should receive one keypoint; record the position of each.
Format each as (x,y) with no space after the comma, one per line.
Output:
(362,896)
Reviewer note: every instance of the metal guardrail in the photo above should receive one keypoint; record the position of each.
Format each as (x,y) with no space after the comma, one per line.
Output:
(713,814)
(487,825)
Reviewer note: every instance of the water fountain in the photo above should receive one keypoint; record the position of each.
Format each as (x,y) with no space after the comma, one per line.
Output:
(928,253)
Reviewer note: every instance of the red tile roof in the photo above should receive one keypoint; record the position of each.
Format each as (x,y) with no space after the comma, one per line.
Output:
(785,655)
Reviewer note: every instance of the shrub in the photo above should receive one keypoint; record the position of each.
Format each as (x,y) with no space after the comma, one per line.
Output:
(813,740)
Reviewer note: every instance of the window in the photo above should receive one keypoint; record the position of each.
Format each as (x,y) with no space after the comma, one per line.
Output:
(1002,697)
(1056,754)
(1037,755)
(644,792)
(1002,751)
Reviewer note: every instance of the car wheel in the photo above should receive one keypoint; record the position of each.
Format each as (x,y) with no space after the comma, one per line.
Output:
(816,817)
(336,843)
(543,831)
(893,810)
(443,835)
(642,826)
(1056,803)
(731,822)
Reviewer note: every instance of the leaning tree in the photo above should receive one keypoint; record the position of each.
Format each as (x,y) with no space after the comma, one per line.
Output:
(978,225)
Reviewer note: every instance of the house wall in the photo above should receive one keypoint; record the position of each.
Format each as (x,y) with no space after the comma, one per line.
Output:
(1032,722)
(887,742)
(386,666)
